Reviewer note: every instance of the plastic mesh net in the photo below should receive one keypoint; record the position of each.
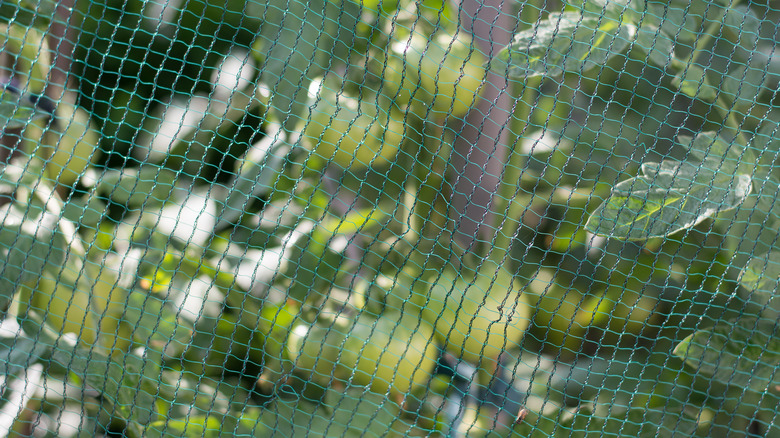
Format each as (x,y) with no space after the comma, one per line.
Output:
(371,218)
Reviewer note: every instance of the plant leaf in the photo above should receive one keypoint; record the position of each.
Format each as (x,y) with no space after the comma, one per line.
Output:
(743,24)
(708,145)
(122,383)
(672,196)
(656,43)
(31,231)
(155,321)
(146,186)
(18,109)
(743,85)
(566,42)
(261,167)
(19,352)
(692,81)
(635,423)
(761,278)
(310,36)
(683,18)
(317,258)
(744,353)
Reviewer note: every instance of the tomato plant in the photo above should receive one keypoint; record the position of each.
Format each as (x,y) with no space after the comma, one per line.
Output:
(241,219)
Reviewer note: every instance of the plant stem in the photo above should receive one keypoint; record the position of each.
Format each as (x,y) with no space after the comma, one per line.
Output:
(709,33)
(508,223)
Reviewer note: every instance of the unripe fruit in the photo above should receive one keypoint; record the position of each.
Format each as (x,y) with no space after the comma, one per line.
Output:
(478,318)
(391,354)
(562,318)
(352,133)
(448,66)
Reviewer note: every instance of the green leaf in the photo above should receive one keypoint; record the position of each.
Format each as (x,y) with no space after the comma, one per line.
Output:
(86,211)
(656,422)
(319,256)
(201,426)
(155,321)
(761,279)
(742,23)
(743,85)
(708,145)
(261,167)
(656,43)
(147,186)
(743,353)
(309,38)
(766,140)
(338,413)
(566,42)
(31,231)
(673,196)
(685,19)
(692,81)
(127,384)
(17,353)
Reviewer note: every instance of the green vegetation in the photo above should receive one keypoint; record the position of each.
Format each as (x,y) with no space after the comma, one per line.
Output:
(237,222)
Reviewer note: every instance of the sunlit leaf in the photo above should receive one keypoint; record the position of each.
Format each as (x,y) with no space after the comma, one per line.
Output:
(17,353)
(154,321)
(566,42)
(666,422)
(692,81)
(194,426)
(743,23)
(31,232)
(683,18)
(147,186)
(743,85)
(258,171)
(656,43)
(743,353)
(18,109)
(708,145)
(354,413)
(671,196)
(762,273)
(124,383)
(766,140)
(299,41)
(761,279)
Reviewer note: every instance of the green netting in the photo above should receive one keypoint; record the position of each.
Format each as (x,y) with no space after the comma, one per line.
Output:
(333,218)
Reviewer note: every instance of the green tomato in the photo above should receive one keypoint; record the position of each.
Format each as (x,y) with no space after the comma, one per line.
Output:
(391,354)
(449,69)
(625,313)
(314,348)
(477,320)
(394,354)
(353,134)
(399,82)
(561,314)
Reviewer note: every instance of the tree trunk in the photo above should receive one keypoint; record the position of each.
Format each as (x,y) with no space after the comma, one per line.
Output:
(480,148)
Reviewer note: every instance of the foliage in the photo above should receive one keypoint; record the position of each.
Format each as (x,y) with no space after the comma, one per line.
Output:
(237,222)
